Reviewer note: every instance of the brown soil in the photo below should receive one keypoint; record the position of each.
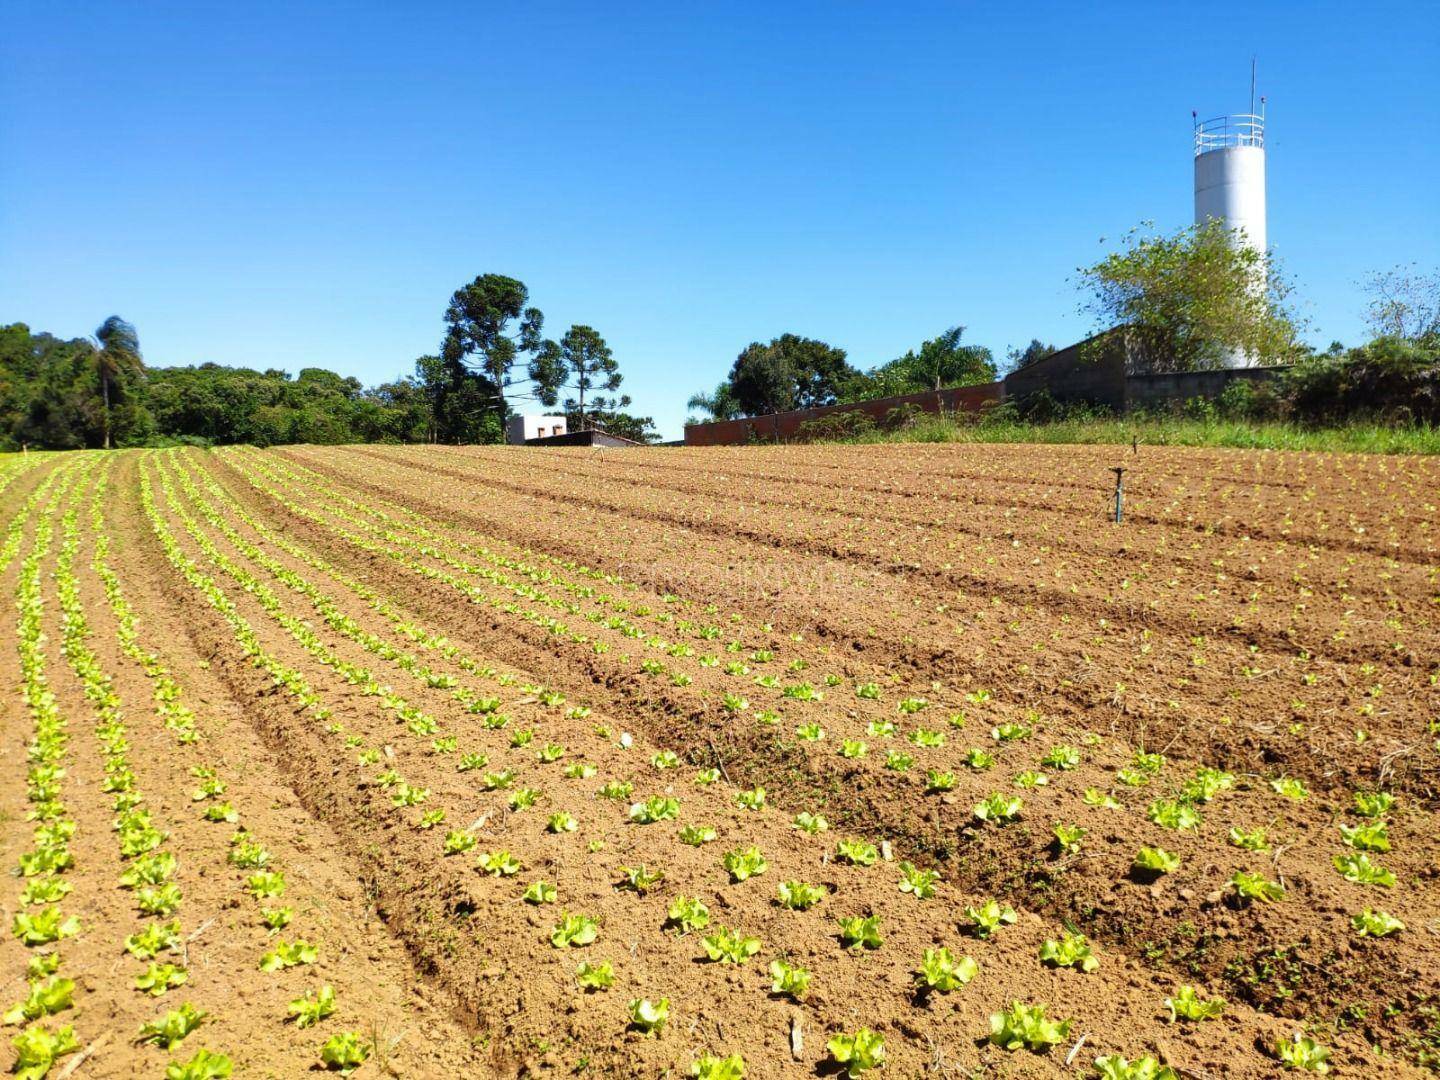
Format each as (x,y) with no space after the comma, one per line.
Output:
(1255,612)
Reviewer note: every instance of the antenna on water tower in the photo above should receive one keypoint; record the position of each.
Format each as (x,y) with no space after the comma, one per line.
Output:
(1230,178)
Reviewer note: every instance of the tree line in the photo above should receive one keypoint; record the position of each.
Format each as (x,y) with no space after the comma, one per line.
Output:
(95,392)
(1186,301)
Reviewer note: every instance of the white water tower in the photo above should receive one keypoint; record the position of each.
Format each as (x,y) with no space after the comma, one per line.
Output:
(1230,178)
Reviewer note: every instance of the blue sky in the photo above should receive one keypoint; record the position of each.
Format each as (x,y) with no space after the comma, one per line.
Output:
(305,184)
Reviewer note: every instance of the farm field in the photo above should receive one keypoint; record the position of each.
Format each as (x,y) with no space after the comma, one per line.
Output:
(472,761)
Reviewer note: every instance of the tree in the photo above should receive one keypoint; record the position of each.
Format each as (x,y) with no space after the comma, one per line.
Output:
(940,363)
(489,326)
(791,372)
(720,403)
(1192,300)
(120,369)
(1037,350)
(463,402)
(583,362)
(943,361)
(1404,304)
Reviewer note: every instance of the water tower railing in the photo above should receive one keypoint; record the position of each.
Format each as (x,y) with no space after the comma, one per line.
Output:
(1242,129)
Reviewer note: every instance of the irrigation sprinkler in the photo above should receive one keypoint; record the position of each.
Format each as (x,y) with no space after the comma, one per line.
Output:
(1119,471)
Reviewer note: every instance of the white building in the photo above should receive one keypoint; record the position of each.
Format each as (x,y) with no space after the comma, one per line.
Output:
(520,428)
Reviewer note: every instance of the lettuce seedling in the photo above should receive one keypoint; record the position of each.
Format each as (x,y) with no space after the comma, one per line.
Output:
(162,901)
(899,761)
(750,800)
(158,978)
(854,748)
(203,1066)
(1103,799)
(1303,1053)
(920,883)
(153,869)
(1254,887)
(524,798)
(1072,950)
(857,852)
(1206,784)
(989,917)
(550,752)
(1254,840)
(154,939)
(37,1049)
(979,760)
(344,1052)
(1031,779)
(580,770)
(727,946)
(430,818)
(313,1007)
(880,729)
(1009,732)
(499,863)
(276,919)
(1026,1026)
(1371,923)
(1174,814)
(785,978)
(688,913)
(1371,836)
(942,972)
(287,955)
(44,926)
(745,864)
(707,776)
(562,822)
(1291,788)
(811,732)
(858,1053)
(458,841)
(1187,1004)
(1068,837)
(810,823)
(45,890)
(665,759)
(1360,869)
(938,780)
(539,892)
(860,932)
(798,896)
(998,808)
(597,976)
(265,884)
(1373,804)
(696,835)
(1115,1067)
(1154,860)
(654,809)
(710,1067)
(574,931)
(1063,758)
(45,998)
(649,1016)
(172,1027)
(471,762)
(640,879)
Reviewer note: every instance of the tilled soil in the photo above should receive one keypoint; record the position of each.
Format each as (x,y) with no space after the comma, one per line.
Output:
(884,636)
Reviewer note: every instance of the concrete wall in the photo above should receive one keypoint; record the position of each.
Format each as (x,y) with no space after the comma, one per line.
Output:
(1091,371)
(782,427)
(1148,391)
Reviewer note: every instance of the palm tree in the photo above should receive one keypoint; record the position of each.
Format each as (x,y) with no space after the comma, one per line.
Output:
(117,358)
(719,403)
